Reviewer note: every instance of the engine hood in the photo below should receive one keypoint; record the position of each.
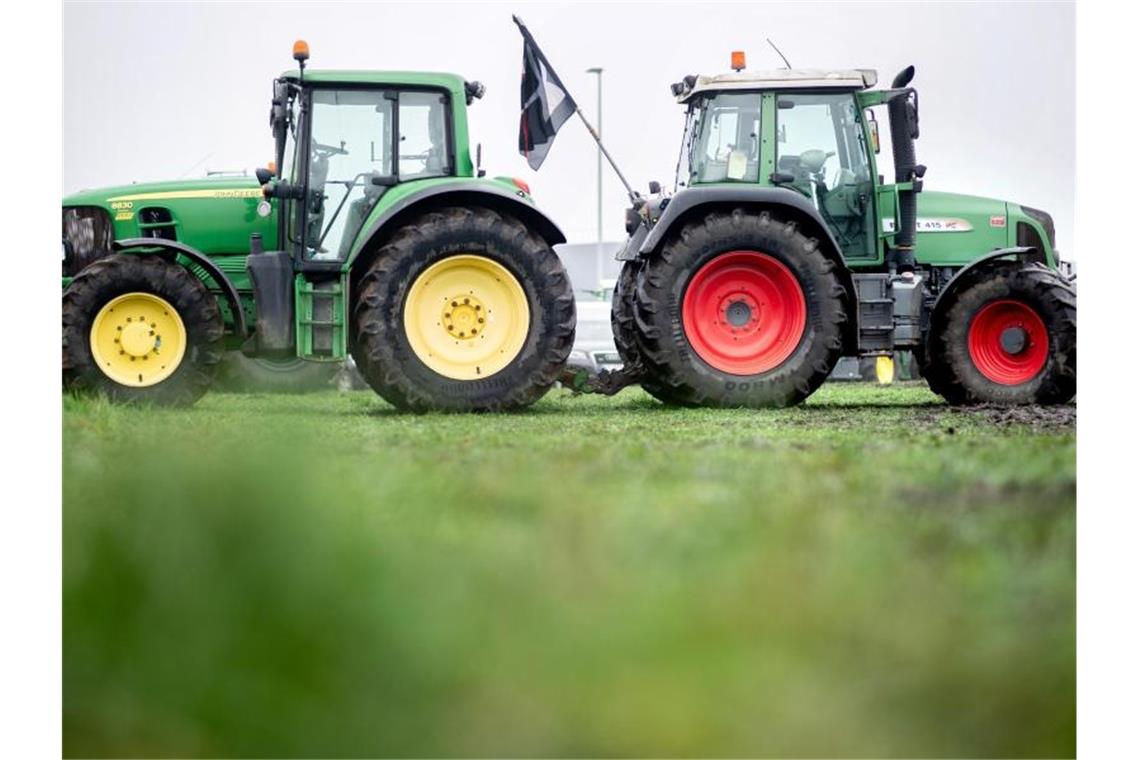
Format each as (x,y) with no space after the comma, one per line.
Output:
(955,229)
(214,215)
(227,187)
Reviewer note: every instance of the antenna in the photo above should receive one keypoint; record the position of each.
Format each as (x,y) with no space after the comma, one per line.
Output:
(773,44)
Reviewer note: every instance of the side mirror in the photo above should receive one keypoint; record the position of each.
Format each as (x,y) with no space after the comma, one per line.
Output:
(873,128)
(263,175)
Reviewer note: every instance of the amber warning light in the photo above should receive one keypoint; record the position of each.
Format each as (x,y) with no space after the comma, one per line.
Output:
(301,51)
(737,60)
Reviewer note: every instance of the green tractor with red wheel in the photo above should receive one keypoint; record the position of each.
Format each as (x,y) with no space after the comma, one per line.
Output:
(374,234)
(783,249)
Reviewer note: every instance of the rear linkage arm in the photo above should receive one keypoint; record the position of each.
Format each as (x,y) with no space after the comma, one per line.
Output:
(607,382)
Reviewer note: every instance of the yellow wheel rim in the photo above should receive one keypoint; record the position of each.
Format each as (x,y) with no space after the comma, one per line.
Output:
(466,317)
(138,339)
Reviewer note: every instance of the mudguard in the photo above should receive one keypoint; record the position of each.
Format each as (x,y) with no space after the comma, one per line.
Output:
(148,246)
(966,273)
(691,198)
(466,193)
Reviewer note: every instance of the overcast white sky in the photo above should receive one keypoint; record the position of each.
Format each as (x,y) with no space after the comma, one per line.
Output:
(161,91)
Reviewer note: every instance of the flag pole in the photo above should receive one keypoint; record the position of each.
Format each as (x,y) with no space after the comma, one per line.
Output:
(589,127)
(606,153)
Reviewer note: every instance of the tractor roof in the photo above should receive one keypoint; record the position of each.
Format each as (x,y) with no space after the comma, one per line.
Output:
(779,79)
(452,82)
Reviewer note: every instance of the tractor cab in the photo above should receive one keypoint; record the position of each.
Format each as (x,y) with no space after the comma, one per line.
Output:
(346,138)
(807,131)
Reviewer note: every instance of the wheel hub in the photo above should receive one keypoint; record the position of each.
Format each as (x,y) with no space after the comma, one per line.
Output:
(464,317)
(738,313)
(138,339)
(1014,339)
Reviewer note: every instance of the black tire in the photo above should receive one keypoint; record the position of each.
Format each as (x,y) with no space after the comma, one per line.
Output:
(381,347)
(951,372)
(116,275)
(624,327)
(670,359)
(239,372)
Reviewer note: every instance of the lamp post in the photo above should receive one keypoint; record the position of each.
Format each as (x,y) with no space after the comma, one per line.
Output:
(598,257)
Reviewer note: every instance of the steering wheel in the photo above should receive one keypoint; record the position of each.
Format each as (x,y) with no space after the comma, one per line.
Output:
(814,160)
(324,151)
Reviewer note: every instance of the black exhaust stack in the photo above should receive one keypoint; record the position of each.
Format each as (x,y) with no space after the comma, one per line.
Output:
(903,111)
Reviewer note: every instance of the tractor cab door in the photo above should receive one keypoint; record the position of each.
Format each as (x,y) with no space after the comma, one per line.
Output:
(361,142)
(821,147)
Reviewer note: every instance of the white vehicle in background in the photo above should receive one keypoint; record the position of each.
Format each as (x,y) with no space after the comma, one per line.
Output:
(594,348)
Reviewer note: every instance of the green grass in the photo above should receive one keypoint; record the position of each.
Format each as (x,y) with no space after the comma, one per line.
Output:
(872,573)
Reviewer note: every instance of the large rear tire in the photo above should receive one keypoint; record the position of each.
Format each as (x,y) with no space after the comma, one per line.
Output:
(1008,338)
(140,329)
(624,327)
(463,309)
(740,310)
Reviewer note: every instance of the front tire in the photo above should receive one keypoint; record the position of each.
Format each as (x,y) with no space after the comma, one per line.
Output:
(740,310)
(463,309)
(140,329)
(1010,338)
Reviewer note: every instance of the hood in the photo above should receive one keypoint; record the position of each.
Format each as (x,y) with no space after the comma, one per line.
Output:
(956,229)
(202,187)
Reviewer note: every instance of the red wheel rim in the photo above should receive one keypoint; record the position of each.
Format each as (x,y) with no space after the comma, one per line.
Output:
(1008,342)
(744,312)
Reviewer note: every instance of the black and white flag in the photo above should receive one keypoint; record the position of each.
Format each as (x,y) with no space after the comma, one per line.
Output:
(546,105)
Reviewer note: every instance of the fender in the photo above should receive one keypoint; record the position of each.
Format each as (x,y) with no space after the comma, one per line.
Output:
(688,203)
(990,260)
(138,246)
(465,193)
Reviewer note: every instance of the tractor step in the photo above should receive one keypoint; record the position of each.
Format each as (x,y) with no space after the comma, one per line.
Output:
(320,310)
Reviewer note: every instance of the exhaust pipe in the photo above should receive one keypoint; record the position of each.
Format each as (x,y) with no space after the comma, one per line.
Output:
(903,112)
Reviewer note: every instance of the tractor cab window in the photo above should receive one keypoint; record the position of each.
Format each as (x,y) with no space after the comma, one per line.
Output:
(820,145)
(725,146)
(423,135)
(350,143)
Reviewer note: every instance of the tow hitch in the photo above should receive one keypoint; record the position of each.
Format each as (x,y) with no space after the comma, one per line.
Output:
(607,382)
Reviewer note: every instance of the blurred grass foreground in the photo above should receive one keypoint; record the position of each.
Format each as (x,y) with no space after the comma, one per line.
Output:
(871,574)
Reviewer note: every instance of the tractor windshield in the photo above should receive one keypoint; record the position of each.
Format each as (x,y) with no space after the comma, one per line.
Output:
(724,139)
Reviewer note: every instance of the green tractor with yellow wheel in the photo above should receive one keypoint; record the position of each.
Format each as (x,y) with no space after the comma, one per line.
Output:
(782,249)
(373,234)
